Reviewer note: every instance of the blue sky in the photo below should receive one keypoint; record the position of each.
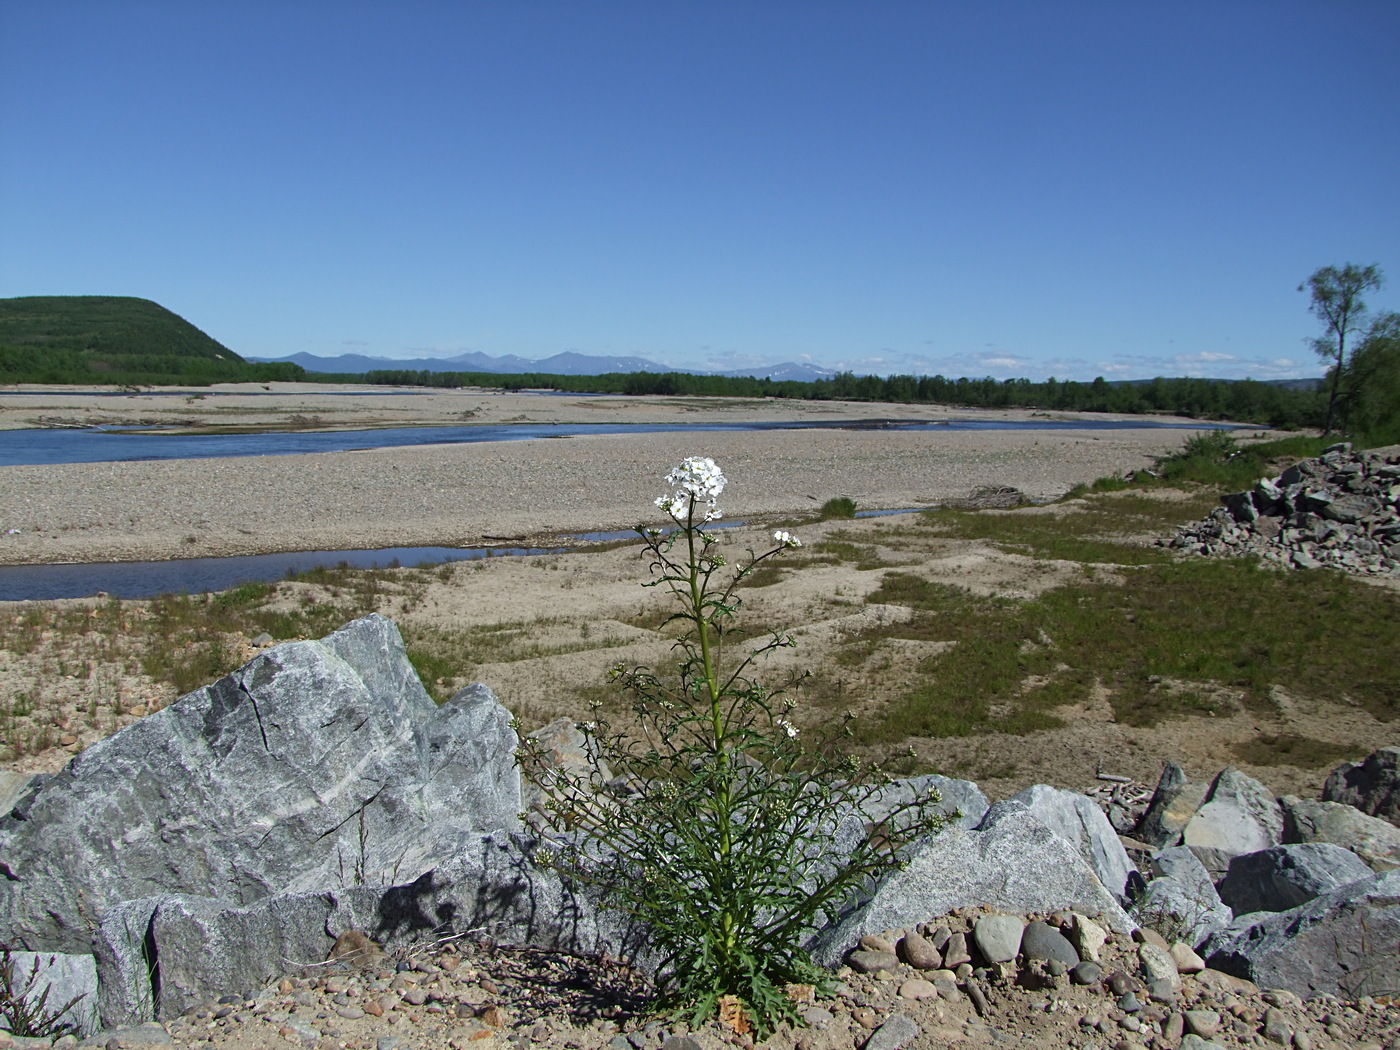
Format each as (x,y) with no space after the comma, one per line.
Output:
(998,188)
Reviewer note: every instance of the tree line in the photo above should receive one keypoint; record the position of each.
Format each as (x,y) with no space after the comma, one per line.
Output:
(1243,400)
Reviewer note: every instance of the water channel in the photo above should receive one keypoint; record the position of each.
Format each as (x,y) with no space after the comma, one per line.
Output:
(194,575)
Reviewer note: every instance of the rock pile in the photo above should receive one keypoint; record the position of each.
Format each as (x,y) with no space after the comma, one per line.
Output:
(1340,510)
(310,848)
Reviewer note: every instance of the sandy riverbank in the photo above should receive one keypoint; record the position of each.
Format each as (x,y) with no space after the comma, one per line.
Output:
(477,493)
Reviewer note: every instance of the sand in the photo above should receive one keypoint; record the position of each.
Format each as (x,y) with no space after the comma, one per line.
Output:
(466,495)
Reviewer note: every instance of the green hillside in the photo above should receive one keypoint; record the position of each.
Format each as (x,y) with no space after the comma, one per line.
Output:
(114,339)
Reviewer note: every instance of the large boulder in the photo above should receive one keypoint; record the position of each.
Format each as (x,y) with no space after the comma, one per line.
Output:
(1079,820)
(1173,805)
(1283,877)
(62,987)
(1344,943)
(960,801)
(203,948)
(1372,785)
(1011,863)
(1240,815)
(1375,841)
(316,765)
(1180,902)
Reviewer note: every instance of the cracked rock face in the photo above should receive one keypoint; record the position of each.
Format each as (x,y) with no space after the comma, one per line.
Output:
(318,764)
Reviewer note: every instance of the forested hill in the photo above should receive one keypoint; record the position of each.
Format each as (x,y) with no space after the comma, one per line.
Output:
(114,339)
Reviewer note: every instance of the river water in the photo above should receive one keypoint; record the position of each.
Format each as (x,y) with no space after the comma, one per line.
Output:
(194,575)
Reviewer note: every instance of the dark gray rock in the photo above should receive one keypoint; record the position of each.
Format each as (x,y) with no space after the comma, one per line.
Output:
(315,765)
(1372,785)
(1344,943)
(1087,972)
(1173,804)
(1240,815)
(1079,820)
(1284,877)
(58,979)
(1375,841)
(1040,941)
(1013,863)
(898,1031)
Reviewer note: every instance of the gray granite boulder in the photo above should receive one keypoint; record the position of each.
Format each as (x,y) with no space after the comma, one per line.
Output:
(55,980)
(1343,943)
(1283,877)
(201,948)
(1173,805)
(1181,902)
(961,797)
(1079,820)
(1372,785)
(1012,863)
(1240,815)
(315,765)
(1375,841)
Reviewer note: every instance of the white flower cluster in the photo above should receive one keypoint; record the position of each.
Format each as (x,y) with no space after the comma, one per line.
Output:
(697,481)
(786,538)
(786,726)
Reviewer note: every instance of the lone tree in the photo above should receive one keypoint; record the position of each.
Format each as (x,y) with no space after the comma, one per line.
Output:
(1337,303)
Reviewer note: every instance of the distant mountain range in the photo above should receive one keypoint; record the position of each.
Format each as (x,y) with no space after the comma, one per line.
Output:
(565,364)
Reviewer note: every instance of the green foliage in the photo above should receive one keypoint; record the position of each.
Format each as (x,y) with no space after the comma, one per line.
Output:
(1336,301)
(1370,386)
(725,847)
(1243,400)
(27,1014)
(1169,639)
(116,340)
(839,507)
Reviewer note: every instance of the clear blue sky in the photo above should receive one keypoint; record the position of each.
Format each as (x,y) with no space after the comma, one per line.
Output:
(985,188)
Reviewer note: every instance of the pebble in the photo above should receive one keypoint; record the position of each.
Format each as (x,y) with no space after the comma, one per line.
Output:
(869,961)
(919,953)
(895,1033)
(998,937)
(1042,941)
(917,988)
(1087,972)
(955,953)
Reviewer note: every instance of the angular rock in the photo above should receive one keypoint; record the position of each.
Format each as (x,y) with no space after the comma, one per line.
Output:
(1375,841)
(202,948)
(1240,815)
(14,786)
(57,979)
(1013,863)
(1182,901)
(961,797)
(898,1031)
(1173,804)
(1079,820)
(315,765)
(1157,964)
(998,937)
(1284,877)
(1371,785)
(1344,943)
(564,747)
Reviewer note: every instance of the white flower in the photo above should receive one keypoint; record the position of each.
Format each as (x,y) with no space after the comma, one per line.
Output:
(788,727)
(589,727)
(697,481)
(786,538)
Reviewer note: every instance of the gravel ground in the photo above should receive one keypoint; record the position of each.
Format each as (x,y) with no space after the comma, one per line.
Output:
(472,494)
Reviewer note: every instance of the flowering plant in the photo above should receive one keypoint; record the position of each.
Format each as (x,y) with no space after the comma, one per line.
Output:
(735,830)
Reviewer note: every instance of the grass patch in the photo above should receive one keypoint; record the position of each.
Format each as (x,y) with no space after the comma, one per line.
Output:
(1166,643)
(1215,459)
(1108,530)
(1290,749)
(839,507)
